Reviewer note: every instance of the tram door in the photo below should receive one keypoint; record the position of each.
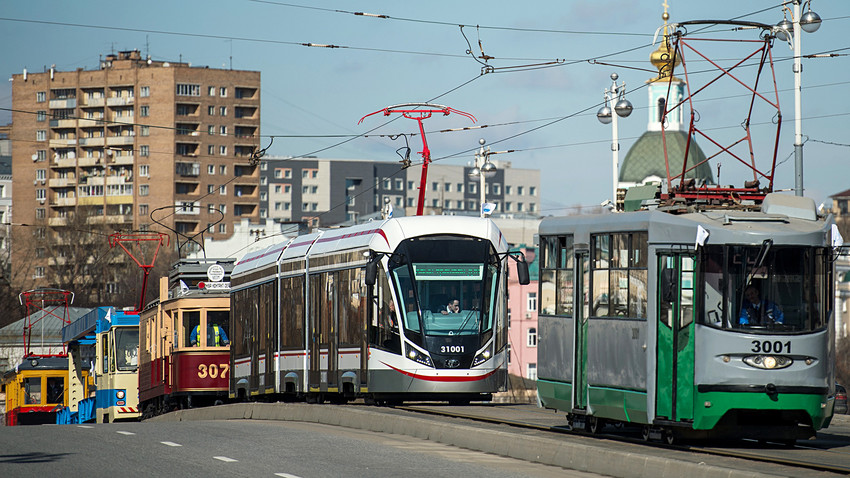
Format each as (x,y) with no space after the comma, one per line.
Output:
(581,312)
(674,398)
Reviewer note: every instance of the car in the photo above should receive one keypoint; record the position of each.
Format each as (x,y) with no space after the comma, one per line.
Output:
(840,400)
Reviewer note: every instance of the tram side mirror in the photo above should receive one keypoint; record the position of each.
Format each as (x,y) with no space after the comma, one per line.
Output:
(522,272)
(372,271)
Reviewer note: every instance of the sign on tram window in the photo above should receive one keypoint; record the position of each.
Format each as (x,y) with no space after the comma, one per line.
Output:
(448,271)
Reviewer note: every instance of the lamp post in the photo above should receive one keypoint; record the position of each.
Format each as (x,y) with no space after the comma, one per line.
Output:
(616,95)
(483,169)
(791,31)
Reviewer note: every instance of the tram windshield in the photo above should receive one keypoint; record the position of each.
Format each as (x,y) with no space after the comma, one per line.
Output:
(442,290)
(127,348)
(766,289)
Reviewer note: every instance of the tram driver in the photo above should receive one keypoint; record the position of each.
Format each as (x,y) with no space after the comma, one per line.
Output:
(216,336)
(758,311)
(453,307)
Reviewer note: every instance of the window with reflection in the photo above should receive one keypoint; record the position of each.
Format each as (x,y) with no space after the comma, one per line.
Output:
(619,275)
(556,275)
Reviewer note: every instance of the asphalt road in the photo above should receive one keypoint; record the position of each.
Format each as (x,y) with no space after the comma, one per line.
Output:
(243,448)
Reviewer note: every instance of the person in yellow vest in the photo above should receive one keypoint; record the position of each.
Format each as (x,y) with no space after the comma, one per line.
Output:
(216,336)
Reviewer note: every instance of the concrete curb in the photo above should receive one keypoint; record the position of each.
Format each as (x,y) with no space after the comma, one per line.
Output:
(548,451)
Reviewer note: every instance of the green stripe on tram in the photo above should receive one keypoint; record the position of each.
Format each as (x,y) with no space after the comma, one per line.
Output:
(618,404)
(553,394)
(710,407)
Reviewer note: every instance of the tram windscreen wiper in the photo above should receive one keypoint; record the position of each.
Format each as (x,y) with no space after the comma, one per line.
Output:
(760,258)
(469,315)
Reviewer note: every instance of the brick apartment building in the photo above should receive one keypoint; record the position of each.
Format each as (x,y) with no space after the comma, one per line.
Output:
(105,148)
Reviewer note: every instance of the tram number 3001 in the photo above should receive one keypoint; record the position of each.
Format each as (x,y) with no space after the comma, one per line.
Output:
(452,349)
(212,370)
(771,347)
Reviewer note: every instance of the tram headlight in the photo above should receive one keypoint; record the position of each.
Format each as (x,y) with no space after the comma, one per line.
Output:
(417,356)
(768,362)
(482,357)
(119,394)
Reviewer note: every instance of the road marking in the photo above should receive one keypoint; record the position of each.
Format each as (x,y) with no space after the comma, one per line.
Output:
(125,433)
(224,458)
(84,426)
(286,475)
(170,443)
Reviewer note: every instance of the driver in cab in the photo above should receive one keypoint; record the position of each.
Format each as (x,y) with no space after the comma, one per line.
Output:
(758,311)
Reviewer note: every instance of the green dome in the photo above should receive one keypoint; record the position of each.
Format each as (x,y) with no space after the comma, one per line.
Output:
(646,158)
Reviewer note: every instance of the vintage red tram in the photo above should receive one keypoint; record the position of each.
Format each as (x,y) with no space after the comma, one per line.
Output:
(180,365)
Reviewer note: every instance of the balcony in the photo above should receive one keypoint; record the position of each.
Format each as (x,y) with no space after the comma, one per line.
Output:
(64,202)
(64,103)
(64,163)
(92,141)
(124,159)
(63,143)
(57,221)
(120,140)
(94,102)
(82,162)
(108,219)
(120,101)
(89,123)
(62,182)
(63,123)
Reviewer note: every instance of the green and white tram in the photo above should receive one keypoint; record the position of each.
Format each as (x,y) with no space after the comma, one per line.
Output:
(644,320)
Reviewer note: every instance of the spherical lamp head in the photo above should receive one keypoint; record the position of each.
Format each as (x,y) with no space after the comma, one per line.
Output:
(474,173)
(482,141)
(604,114)
(783,29)
(810,22)
(623,108)
(488,170)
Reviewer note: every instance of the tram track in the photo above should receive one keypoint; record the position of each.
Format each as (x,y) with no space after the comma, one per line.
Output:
(816,459)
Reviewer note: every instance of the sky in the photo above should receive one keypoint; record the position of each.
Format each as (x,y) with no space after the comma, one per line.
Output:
(538,99)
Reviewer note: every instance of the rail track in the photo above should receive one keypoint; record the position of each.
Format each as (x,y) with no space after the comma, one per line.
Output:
(820,455)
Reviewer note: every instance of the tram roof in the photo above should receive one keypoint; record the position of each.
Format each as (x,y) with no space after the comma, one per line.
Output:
(98,320)
(383,235)
(724,226)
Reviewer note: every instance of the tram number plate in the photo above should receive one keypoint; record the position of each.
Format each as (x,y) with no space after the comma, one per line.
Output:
(451,349)
(771,346)
(212,370)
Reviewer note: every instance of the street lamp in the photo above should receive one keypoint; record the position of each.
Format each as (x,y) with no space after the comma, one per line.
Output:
(790,31)
(616,95)
(483,169)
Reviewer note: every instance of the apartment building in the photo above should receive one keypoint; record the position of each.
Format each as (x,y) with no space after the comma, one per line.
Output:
(108,147)
(325,192)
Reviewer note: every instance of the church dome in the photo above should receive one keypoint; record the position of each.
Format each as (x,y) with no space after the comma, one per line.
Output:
(645,158)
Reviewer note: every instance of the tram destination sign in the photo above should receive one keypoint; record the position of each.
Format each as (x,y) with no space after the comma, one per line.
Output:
(448,271)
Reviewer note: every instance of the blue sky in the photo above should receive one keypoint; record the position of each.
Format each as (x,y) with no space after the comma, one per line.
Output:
(418,54)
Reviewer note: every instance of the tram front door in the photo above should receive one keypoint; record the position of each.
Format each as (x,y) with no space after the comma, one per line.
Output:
(674,396)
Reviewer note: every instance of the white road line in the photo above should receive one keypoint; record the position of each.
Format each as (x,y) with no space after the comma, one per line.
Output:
(170,443)
(84,426)
(125,433)
(286,475)
(225,459)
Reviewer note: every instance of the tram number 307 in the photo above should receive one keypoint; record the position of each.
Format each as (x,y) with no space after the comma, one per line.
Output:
(768,347)
(212,370)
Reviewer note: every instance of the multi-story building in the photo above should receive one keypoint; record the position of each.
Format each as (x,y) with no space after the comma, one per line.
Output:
(333,191)
(5,201)
(107,147)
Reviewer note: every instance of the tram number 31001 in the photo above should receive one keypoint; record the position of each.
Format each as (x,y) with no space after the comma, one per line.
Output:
(212,370)
(771,347)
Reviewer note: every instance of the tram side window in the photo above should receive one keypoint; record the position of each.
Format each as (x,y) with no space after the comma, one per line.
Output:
(352,306)
(32,390)
(105,350)
(191,328)
(619,275)
(556,284)
(292,313)
(239,337)
(221,320)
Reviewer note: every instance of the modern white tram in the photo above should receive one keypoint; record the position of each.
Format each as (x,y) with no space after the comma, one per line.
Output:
(410,308)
